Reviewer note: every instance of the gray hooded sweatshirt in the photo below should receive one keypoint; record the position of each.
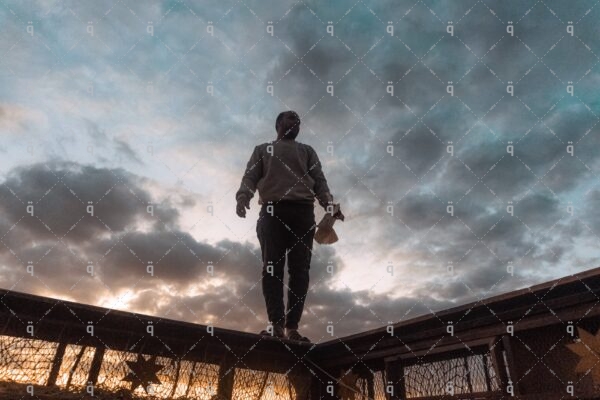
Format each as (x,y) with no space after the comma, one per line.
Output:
(285,170)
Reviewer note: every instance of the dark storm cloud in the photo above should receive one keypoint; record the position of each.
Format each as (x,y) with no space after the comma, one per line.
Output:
(68,188)
(62,224)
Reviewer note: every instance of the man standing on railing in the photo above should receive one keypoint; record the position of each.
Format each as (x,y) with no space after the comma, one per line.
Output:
(288,177)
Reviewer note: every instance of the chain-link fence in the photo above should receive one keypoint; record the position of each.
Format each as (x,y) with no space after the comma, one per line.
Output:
(28,362)
(459,375)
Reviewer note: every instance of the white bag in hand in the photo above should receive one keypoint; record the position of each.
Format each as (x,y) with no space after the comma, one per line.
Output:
(325,233)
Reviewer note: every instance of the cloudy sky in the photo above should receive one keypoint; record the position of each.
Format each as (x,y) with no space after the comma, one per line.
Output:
(125,104)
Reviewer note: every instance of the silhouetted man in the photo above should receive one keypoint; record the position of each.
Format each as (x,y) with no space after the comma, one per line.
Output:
(288,177)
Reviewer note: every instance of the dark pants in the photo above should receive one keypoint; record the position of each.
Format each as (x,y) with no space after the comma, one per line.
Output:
(290,226)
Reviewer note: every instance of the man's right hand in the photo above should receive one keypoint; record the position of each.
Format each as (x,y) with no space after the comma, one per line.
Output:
(336,212)
(242,204)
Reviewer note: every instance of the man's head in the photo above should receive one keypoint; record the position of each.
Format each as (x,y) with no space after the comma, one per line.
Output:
(287,125)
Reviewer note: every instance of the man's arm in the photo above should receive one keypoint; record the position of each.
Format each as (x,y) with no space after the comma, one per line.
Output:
(251,177)
(315,170)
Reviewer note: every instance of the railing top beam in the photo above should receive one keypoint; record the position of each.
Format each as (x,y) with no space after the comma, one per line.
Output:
(558,288)
(115,327)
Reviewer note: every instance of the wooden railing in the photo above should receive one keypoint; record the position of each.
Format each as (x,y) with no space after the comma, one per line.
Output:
(521,344)
(513,343)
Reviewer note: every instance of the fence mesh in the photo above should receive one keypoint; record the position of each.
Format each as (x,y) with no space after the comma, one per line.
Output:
(25,362)
(378,387)
(75,366)
(472,373)
(271,386)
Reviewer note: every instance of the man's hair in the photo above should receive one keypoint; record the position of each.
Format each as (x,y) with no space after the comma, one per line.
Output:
(290,135)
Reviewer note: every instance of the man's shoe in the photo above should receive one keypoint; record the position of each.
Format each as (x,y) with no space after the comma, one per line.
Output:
(278,331)
(293,334)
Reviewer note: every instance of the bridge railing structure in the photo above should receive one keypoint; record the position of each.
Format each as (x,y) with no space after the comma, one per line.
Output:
(540,342)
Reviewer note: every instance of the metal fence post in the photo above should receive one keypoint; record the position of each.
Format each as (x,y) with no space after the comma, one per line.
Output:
(394,372)
(96,364)
(226,378)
